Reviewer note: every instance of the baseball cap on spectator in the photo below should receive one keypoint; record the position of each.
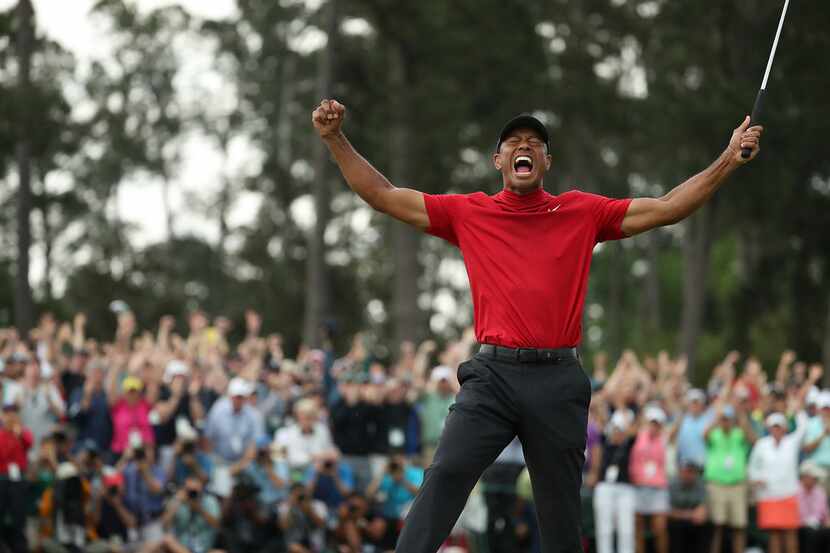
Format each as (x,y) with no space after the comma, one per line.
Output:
(441,372)
(10,405)
(741,392)
(776,419)
(175,368)
(812,469)
(655,414)
(66,471)
(88,445)
(132,383)
(239,387)
(728,412)
(813,395)
(113,480)
(696,394)
(824,400)
(18,357)
(620,420)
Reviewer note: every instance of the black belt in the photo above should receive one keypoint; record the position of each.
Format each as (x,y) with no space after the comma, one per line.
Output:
(529,355)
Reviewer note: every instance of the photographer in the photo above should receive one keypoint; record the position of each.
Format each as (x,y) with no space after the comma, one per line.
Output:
(188,461)
(269,476)
(64,510)
(249,525)
(329,480)
(144,490)
(191,519)
(110,516)
(358,526)
(395,489)
(302,520)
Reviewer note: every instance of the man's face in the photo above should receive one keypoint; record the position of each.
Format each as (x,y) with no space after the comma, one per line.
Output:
(522,160)
(238,402)
(696,407)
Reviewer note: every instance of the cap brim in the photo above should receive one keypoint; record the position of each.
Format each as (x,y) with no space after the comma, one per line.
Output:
(524,121)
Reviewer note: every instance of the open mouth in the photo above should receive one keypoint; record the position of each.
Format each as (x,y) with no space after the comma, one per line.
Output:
(523,165)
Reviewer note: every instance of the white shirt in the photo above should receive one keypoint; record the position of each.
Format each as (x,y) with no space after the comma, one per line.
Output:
(301,448)
(776,465)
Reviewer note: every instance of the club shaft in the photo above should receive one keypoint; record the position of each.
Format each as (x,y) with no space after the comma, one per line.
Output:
(775,44)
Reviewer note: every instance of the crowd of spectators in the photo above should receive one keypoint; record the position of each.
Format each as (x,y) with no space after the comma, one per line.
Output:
(177,443)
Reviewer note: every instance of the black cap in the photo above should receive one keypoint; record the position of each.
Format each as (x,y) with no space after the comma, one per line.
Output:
(524,121)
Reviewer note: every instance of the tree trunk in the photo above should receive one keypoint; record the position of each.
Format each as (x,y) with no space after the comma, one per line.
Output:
(167,206)
(317,289)
(406,240)
(696,248)
(23,303)
(48,244)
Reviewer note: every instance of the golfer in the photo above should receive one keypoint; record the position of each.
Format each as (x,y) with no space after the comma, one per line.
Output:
(527,254)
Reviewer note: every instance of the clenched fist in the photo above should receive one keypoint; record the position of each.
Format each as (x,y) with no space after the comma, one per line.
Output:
(745,137)
(328,117)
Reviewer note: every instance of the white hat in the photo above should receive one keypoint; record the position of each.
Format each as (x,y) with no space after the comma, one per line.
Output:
(441,372)
(620,420)
(175,368)
(655,414)
(812,469)
(696,394)
(824,400)
(66,470)
(777,419)
(184,430)
(813,395)
(240,387)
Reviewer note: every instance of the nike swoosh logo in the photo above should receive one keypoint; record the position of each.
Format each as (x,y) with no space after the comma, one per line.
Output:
(554,209)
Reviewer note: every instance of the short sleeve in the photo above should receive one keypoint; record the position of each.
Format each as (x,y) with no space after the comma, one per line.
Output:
(444,211)
(608,214)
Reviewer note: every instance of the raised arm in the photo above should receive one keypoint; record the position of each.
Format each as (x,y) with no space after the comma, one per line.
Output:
(367,182)
(647,213)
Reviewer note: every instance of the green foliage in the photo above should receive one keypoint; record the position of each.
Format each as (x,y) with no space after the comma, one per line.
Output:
(638,94)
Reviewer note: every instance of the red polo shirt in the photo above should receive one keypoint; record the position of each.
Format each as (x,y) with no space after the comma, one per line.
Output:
(527,259)
(13,449)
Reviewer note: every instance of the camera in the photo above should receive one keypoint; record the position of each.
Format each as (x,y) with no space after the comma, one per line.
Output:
(112,491)
(328,465)
(394,466)
(301,498)
(188,448)
(139,454)
(193,494)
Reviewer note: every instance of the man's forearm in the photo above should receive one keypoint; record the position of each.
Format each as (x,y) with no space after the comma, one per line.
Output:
(686,198)
(366,181)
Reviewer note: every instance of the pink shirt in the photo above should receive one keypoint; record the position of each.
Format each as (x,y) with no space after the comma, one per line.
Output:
(647,466)
(127,419)
(813,506)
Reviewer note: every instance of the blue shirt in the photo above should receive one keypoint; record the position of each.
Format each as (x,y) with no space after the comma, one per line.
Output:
(269,493)
(326,488)
(821,455)
(690,442)
(138,498)
(397,495)
(94,423)
(182,471)
(231,433)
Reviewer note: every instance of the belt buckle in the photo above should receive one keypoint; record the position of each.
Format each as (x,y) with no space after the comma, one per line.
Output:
(532,356)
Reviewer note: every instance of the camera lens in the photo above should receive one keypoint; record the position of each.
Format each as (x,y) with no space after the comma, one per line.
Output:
(138,454)
(192,494)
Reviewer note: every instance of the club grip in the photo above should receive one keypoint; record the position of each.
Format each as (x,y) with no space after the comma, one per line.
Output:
(754,118)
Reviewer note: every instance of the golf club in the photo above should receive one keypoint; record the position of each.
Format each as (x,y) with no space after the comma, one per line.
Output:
(759,100)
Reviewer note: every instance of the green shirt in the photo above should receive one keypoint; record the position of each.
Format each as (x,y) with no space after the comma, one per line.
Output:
(434,411)
(726,456)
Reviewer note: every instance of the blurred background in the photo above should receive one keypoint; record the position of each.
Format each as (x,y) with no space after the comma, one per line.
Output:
(207,341)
